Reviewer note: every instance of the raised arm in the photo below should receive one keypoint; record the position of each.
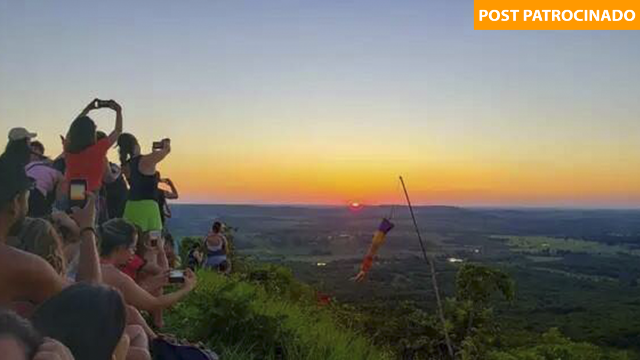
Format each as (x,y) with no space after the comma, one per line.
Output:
(89,261)
(148,162)
(173,194)
(113,137)
(92,106)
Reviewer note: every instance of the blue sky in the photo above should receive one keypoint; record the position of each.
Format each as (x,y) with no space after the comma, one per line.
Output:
(291,83)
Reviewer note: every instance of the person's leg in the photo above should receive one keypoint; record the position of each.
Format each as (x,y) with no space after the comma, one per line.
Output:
(138,354)
(138,344)
(122,348)
(135,318)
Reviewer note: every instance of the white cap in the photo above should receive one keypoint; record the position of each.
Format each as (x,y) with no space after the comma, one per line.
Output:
(20,133)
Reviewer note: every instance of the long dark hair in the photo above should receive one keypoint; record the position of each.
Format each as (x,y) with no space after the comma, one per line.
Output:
(116,233)
(19,150)
(126,147)
(88,319)
(216,227)
(81,135)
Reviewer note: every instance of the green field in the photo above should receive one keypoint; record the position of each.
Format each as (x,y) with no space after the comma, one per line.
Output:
(553,246)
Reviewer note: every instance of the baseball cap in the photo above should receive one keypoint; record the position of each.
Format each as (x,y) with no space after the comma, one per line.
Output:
(13,179)
(20,133)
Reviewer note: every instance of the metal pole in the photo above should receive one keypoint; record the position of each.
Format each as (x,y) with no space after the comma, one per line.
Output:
(432,266)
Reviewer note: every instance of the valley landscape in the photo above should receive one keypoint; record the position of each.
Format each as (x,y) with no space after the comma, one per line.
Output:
(575,270)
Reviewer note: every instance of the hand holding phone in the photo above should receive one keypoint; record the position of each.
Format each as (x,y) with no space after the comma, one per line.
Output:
(85,217)
(162,144)
(176,277)
(154,239)
(77,193)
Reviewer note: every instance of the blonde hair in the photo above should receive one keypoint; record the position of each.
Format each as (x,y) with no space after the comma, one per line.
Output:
(39,237)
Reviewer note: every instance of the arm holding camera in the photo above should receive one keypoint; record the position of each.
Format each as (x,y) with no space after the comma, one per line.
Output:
(113,137)
(148,162)
(96,104)
(143,300)
(93,105)
(89,264)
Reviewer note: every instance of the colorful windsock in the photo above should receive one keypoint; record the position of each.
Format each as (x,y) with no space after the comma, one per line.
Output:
(378,239)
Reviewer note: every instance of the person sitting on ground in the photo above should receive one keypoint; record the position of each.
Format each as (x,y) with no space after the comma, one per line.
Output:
(71,238)
(149,268)
(19,145)
(20,341)
(119,238)
(84,155)
(195,257)
(70,233)
(48,182)
(91,321)
(39,237)
(152,269)
(25,276)
(142,207)
(217,249)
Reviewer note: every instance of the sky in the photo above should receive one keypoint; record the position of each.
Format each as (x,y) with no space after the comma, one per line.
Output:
(327,102)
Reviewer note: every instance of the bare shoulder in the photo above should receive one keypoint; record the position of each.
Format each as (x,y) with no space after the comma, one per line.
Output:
(16,261)
(27,276)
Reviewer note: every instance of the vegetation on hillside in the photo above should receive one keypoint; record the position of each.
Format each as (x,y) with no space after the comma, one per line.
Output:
(262,312)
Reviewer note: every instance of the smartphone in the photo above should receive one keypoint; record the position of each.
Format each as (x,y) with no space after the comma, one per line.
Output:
(153,238)
(77,193)
(176,276)
(158,145)
(100,104)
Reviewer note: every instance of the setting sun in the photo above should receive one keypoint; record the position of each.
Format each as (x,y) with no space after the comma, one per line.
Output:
(355,206)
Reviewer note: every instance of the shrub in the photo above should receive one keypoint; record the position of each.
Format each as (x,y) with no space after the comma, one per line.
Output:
(244,318)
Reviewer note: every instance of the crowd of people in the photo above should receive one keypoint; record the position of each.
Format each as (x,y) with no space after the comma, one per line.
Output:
(86,278)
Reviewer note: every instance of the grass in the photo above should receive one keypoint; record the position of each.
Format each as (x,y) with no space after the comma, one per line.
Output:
(244,319)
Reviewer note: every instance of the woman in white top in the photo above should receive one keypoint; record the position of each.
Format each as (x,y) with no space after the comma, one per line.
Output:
(217,249)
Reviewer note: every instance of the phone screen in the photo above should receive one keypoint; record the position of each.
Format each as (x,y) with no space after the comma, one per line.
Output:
(158,145)
(77,191)
(176,276)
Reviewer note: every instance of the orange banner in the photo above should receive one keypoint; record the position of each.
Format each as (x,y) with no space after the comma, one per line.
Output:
(557,15)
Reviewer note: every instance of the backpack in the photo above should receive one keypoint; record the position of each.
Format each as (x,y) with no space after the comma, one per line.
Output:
(172,349)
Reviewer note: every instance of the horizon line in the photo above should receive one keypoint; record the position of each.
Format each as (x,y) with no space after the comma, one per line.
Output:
(486,207)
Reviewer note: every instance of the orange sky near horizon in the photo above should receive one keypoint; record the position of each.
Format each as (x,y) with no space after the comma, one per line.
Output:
(329,102)
(309,180)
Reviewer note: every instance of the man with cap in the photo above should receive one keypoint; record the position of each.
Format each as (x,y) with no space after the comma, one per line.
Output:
(21,133)
(19,146)
(23,276)
(26,277)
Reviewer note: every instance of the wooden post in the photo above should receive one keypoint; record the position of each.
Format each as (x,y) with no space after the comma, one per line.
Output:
(432,266)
